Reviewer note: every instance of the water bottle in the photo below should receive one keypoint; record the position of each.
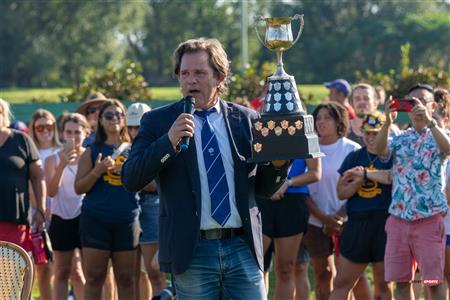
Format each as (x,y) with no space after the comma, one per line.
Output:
(39,255)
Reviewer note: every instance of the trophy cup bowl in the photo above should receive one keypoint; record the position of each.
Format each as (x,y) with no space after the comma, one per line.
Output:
(284,131)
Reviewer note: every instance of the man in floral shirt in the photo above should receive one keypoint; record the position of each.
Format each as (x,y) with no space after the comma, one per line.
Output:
(415,229)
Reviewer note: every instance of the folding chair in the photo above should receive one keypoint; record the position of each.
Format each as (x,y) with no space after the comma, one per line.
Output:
(16,272)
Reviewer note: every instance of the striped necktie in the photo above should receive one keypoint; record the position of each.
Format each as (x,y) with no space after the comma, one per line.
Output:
(217,181)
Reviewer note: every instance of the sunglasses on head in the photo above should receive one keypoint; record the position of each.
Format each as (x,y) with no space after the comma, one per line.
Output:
(109,115)
(40,128)
(91,110)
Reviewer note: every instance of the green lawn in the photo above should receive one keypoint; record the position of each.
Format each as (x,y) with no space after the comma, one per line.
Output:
(26,95)
(316,92)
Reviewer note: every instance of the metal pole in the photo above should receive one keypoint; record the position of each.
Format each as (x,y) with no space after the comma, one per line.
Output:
(244,34)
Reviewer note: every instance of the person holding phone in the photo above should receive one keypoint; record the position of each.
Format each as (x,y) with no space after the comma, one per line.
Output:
(415,229)
(60,170)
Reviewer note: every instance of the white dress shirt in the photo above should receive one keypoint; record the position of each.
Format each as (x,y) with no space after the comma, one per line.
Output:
(218,124)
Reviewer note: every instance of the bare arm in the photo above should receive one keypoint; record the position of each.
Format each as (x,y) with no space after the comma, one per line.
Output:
(331,221)
(87,175)
(53,174)
(382,136)
(381,176)
(38,186)
(313,174)
(349,183)
(441,139)
(53,171)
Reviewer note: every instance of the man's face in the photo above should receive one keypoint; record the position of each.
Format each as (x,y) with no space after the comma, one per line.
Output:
(363,102)
(427,99)
(369,139)
(197,79)
(336,95)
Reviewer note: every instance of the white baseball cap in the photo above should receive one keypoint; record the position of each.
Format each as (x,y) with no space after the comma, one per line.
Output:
(135,113)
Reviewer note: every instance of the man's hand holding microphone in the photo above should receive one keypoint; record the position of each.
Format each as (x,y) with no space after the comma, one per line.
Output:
(183,128)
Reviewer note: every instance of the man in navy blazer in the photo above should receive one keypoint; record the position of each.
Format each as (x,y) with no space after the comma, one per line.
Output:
(209,260)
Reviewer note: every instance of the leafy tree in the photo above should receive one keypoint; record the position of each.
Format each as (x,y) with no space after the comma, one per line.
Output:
(398,82)
(123,83)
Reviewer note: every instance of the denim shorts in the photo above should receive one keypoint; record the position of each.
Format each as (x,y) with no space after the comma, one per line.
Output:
(149,219)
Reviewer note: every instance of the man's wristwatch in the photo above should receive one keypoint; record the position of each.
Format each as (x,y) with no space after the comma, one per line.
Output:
(289,182)
(432,123)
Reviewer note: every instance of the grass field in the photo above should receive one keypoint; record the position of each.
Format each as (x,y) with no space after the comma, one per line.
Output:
(316,92)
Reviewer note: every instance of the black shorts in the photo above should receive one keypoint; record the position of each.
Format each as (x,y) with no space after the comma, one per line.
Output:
(363,237)
(64,234)
(285,217)
(109,236)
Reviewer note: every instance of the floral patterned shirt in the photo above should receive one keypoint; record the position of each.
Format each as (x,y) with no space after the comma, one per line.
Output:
(417,176)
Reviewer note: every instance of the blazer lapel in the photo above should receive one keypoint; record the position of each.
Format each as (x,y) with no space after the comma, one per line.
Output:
(232,119)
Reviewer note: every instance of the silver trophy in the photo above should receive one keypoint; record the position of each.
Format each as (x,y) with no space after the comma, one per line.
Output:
(284,131)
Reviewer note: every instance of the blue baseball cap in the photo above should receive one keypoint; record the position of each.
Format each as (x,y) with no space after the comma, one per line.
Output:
(341,85)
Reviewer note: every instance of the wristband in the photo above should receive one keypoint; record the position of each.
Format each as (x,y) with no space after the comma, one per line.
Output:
(432,123)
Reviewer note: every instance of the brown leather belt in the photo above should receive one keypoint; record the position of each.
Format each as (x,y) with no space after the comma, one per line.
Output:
(220,233)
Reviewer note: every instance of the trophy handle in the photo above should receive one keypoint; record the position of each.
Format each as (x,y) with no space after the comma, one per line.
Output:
(302,22)
(257,19)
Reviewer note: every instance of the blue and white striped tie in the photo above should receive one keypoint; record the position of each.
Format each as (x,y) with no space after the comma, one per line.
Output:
(217,181)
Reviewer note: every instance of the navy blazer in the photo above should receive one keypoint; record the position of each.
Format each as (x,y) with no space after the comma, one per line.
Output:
(153,157)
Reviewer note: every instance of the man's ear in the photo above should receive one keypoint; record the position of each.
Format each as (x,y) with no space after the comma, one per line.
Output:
(434,105)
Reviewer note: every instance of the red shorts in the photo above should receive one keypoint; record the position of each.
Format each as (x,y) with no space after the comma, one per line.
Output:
(421,241)
(17,234)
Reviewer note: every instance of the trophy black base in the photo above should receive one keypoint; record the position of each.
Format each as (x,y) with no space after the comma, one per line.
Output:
(284,137)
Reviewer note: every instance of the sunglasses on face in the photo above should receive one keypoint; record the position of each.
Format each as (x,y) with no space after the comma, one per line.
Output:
(41,128)
(133,128)
(109,115)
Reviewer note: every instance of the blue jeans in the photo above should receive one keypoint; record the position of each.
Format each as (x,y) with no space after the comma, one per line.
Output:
(149,219)
(221,269)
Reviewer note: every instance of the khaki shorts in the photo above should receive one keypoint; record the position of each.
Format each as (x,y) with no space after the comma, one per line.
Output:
(317,243)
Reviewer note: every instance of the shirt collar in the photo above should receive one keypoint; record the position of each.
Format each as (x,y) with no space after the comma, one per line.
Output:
(217,106)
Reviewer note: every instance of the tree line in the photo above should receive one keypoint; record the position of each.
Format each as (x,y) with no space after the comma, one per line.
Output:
(56,43)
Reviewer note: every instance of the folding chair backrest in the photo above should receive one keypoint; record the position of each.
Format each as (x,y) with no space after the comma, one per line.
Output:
(16,272)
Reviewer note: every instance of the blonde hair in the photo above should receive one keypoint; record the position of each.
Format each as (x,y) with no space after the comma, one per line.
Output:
(6,113)
(218,59)
(43,113)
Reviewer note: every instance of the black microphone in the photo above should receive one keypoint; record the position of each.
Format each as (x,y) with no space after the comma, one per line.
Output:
(188,107)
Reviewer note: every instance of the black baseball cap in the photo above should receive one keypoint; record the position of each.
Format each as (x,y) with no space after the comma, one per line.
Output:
(424,86)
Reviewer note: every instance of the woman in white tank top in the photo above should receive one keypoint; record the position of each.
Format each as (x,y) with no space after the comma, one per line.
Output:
(60,171)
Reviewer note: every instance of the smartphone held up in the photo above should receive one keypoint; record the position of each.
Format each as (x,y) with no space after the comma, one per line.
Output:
(402,105)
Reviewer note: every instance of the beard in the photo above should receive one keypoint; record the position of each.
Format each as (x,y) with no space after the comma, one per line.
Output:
(361,114)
